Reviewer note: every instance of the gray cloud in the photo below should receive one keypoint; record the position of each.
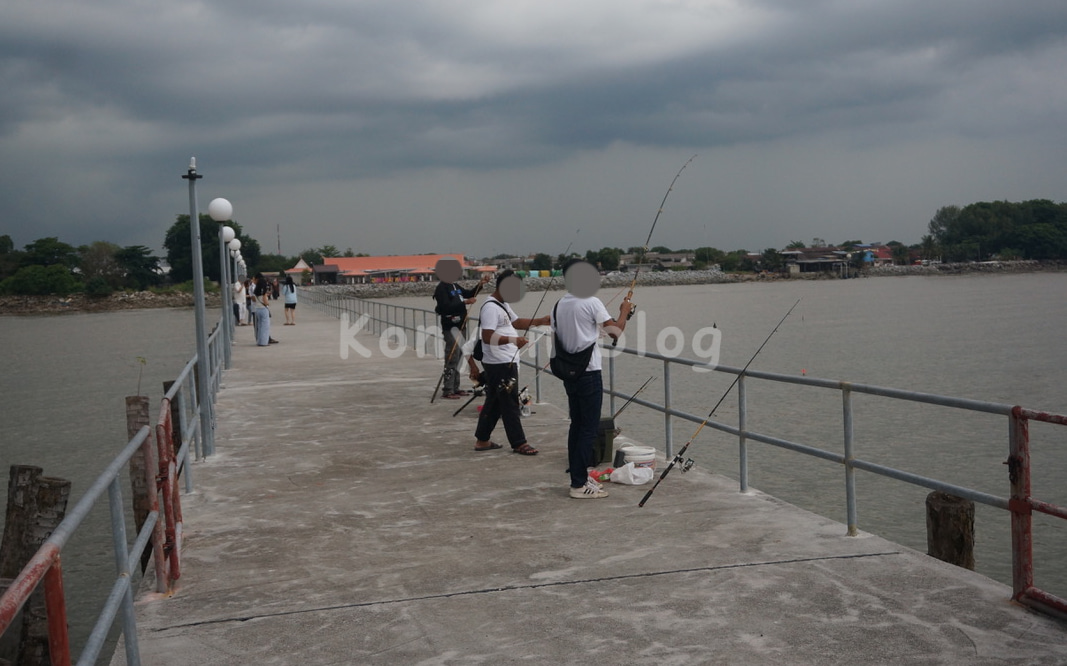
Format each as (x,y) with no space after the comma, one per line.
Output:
(487,127)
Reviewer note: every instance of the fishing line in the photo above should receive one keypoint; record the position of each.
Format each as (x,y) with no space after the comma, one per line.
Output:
(630,293)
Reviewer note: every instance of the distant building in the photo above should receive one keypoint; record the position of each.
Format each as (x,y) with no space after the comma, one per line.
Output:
(393,268)
(297,271)
(815,260)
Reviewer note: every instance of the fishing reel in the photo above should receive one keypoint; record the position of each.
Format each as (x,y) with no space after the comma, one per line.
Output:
(633,309)
(685,464)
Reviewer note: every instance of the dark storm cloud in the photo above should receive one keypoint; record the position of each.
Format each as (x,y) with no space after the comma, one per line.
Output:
(407,112)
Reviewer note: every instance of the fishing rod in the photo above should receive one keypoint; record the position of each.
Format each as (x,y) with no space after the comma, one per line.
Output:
(630,293)
(478,392)
(455,343)
(688,464)
(518,350)
(632,397)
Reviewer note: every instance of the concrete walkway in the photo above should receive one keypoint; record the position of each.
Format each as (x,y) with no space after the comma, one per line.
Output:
(346,520)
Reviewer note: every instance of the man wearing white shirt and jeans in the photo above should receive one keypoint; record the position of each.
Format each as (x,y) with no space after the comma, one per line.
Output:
(578,319)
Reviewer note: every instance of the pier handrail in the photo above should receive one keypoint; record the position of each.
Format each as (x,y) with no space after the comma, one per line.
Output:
(45,566)
(386,319)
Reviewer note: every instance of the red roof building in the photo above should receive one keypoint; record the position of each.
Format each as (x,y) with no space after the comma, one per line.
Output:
(394,268)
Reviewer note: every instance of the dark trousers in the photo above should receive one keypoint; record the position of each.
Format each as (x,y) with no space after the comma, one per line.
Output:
(501,404)
(585,396)
(453,355)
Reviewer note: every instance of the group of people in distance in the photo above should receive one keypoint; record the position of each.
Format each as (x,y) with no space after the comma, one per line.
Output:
(577,320)
(251,301)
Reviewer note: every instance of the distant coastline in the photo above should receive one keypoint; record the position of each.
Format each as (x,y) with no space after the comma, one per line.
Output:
(43,305)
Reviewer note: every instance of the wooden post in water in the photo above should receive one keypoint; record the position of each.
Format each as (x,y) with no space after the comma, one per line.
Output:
(950,529)
(36,505)
(136,418)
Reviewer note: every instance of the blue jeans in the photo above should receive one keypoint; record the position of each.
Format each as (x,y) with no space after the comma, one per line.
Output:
(585,396)
(262,322)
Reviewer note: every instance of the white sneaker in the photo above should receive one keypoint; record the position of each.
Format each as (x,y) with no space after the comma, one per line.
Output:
(591,490)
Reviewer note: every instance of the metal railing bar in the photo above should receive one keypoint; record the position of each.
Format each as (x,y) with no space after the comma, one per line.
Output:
(933,484)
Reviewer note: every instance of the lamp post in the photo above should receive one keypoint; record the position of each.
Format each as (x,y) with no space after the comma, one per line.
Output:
(221,211)
(233,248)
(207,434)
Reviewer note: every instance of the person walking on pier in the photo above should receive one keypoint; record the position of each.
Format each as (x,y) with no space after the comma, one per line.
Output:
(578,319)
(500,352)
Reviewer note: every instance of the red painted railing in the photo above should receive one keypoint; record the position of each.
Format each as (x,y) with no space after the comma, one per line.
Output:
(1022,506)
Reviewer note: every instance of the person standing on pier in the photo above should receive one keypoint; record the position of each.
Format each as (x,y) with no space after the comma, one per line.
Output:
(578,319)
(501,343)
(261,310)
(289,292)
(452,301)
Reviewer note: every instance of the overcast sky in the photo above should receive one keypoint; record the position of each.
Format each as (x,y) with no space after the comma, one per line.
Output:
(410,126)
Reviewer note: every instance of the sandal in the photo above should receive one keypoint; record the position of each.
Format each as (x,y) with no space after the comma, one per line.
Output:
(492,446)
(525,450)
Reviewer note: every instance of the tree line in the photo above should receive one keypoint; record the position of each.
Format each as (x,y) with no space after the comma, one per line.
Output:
(1035,229)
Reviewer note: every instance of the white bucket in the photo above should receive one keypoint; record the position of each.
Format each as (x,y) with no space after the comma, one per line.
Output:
(640,456)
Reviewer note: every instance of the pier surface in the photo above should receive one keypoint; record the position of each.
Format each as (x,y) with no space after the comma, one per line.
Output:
(345,520)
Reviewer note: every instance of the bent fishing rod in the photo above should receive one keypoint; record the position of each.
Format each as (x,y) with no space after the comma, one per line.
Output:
(678,458)
(455,343)
(670,188)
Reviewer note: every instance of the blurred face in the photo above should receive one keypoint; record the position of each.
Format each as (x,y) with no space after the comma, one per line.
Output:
(582,279)
(510,289)
(448,270)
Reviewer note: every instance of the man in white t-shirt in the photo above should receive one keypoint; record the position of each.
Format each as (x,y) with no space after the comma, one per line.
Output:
(501,343)
(578,320)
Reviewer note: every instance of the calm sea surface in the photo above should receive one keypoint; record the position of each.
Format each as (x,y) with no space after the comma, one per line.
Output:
(990,338)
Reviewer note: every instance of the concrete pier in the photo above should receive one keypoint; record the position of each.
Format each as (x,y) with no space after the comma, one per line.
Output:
(346,520)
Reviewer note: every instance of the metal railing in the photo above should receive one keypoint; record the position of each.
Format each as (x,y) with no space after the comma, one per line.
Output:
(385,318)
(161,528)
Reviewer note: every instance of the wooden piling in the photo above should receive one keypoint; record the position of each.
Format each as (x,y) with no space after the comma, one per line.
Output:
(137,416)
(950,529)
(36,505)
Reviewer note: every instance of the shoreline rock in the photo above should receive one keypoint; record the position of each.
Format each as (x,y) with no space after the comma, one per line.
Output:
(79,303)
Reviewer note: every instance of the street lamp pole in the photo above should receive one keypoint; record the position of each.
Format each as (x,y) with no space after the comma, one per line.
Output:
(207,434)
(220,210)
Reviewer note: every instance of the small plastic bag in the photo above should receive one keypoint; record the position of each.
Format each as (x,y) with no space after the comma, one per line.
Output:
(631,475)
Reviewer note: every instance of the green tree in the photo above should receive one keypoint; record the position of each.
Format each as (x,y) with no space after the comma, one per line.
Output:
(771,260)
(50,252)
(37,279)
(736,260)
(99,266)
(795,245)
(275,263)
(541,262)
(140,268)
(901,253)
(660,249)
(564,258)
(180,255)
(709,255)
(10,258)
(609,258)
